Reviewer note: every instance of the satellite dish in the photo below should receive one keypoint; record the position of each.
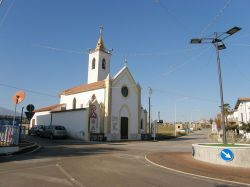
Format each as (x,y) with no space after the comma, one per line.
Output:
(18,97)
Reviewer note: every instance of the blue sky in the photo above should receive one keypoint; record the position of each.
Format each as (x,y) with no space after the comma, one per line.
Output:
(43,49)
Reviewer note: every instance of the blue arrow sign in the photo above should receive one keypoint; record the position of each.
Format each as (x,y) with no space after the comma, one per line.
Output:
(227,155)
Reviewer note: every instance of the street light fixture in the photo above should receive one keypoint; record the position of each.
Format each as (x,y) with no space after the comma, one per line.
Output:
(217,41)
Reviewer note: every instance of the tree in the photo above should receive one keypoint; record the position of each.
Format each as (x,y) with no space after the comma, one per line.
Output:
(218,120)
(245,127)
(227,111)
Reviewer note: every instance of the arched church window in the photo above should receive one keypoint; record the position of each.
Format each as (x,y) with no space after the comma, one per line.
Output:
(141,123)
(103,63)
(74,104)
(93,63)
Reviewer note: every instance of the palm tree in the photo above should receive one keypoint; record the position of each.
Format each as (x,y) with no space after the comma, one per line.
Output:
(227,111)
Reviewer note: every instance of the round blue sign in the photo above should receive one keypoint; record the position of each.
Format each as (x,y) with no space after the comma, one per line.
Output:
(227,155)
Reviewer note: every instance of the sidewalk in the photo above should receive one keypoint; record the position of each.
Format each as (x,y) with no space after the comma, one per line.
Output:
(184,162)
(23,147)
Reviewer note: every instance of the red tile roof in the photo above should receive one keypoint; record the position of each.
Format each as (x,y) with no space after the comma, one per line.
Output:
(84,88)
(49,108)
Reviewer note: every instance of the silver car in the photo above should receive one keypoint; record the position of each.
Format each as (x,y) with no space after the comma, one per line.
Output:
(54,131)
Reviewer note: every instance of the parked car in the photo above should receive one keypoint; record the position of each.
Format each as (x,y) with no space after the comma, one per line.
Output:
(54,131)
(36,130)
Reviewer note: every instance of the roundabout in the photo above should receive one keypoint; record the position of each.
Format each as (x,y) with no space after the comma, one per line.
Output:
(234,155)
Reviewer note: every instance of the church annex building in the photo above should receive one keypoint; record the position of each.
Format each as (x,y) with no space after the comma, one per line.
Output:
(106,106)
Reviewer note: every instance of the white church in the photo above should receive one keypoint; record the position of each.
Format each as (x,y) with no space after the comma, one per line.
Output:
(106,108)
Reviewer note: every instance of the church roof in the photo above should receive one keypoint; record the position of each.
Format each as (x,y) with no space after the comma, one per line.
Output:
(49,108)
(100,44)
(84,88)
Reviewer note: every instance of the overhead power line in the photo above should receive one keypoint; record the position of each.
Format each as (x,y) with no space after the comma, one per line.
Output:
(27,90)
(171,14)
(188,97)
(217,16)
(7,12)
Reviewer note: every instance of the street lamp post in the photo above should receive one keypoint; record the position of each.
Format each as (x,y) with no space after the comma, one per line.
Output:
(149,105)
(217,41)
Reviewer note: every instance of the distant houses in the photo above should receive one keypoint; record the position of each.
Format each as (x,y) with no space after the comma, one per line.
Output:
(241,112)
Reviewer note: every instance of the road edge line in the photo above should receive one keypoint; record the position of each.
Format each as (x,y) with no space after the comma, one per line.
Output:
(194,175)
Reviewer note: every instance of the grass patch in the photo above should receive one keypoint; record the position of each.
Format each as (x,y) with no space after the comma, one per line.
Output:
(166,130)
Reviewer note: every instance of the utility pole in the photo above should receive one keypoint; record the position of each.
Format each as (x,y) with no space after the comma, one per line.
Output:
(149,120)
(217,41)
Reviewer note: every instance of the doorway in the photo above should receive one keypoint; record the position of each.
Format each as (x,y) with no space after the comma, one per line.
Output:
(124,128)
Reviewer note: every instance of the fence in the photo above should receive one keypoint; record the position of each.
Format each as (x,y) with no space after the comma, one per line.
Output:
(9,135)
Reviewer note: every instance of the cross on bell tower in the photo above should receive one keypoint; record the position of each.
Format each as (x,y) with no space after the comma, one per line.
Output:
(99,61)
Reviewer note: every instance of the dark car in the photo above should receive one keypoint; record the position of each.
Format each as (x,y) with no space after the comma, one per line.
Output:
(37,130)
(54,131)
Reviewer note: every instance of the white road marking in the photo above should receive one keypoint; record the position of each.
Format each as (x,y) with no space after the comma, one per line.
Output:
(194,175)
(39,147)
(69,176)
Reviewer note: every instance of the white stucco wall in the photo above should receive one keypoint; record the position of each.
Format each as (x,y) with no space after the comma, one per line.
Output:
(82,99)
(41,118)
(124,107)
(75,122)
(98,73)
(243,111)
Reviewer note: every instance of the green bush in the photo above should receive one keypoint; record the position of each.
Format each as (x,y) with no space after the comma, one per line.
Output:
(245,127)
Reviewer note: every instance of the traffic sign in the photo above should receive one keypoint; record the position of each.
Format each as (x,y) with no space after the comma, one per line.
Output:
(30,107)
(29,115)
(227,155)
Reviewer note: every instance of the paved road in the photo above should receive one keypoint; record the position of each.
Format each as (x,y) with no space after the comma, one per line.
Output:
(74,163)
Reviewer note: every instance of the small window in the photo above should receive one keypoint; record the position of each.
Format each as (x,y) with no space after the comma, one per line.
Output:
(74,104)
(103,63)
(93,63)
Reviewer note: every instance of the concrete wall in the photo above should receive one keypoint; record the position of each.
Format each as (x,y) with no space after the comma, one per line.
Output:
(211,154)
(75,121)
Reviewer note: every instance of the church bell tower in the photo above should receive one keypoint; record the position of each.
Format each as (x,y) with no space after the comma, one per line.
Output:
(99,61)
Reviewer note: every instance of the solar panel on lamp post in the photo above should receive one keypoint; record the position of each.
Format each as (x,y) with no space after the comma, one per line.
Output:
(217,41)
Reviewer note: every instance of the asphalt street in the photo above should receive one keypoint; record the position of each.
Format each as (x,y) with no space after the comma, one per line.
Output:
(76,163)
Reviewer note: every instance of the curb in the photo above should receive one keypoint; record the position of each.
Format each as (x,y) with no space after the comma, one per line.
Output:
(194,175)
(24,150)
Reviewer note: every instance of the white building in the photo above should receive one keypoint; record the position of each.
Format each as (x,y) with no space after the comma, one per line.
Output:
(107,106)
(241,112)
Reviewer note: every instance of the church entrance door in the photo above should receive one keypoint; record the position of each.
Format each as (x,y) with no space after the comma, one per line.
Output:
(124,128)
